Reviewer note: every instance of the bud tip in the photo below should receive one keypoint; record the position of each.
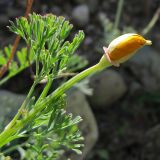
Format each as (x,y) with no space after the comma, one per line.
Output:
(148,42)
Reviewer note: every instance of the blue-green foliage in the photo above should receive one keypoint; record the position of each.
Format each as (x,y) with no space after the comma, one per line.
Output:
(46,35)
(51,129)
(22,61)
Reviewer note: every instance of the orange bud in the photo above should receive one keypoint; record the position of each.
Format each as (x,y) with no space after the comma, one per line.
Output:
(123,47)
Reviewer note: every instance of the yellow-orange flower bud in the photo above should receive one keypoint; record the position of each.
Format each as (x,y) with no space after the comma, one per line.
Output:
(123,47)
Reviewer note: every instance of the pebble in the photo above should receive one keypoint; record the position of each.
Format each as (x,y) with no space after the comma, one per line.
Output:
(81,15)
(108,86)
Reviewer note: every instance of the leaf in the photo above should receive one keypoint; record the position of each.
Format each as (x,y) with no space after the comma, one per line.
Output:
(22,57)
(52,129)
(7,51)
(15,67)
(3,60)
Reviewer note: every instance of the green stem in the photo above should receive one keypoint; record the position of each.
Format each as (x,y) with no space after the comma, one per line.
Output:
(118,14)
(45,90)
(37,68)
(75,79)
(12,123)
(42,104)
(14,126)
(151,24)
(64,87)
(5,79)
(13,148)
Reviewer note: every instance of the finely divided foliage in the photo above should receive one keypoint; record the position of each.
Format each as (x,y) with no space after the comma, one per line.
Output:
(46,36)
(23,61)
(43,120)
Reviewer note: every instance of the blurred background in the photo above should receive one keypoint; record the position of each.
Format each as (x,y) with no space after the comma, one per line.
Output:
(120,106)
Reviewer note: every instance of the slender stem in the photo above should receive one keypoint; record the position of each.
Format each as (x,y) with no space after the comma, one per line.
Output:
(37,68)
(12,123)
(4,68)
(2,81)
(75,79)
(64,87)
(45,90)
(13,148)
(7,77)
(118,14)
(152,22)
(11,130)
(8,133)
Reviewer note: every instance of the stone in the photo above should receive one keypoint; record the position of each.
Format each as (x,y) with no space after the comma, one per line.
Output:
(9,104)
(145,67)
(135,88)
(44,9)
(78,105)
(108,86)
(92,4)
(4,19)
(14,13)
(80,14)
(55,10)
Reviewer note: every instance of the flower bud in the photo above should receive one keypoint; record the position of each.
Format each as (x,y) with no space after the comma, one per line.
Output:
(123,47)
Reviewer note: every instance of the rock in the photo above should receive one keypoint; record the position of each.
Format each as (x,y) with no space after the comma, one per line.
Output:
(78,105)
(14,13)
(88,41)
(135,88)
(9,104)
(55,10)
(80,15)
(145,67)
(92,4)
(44,9)
(108,86)
(4,19)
